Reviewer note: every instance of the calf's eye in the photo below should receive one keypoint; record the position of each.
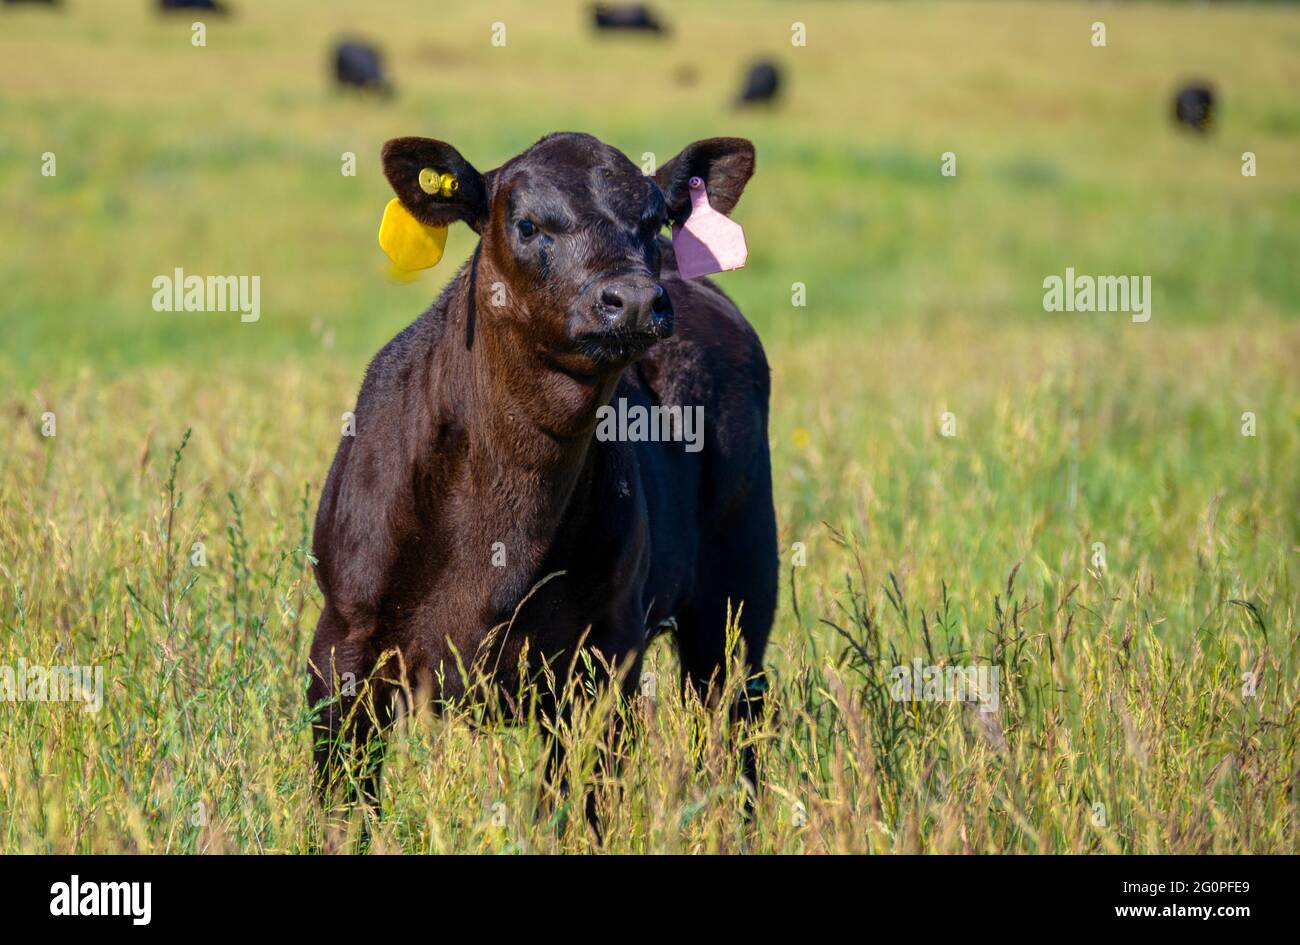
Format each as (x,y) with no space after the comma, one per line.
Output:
(526,229)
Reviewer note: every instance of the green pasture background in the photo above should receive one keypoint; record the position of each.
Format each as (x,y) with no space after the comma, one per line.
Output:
(226,159)
(923,296)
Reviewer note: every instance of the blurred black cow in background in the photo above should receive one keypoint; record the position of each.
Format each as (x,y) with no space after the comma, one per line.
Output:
(360,65)
(208,6)
(762,84)
(627,16)
(1194,107)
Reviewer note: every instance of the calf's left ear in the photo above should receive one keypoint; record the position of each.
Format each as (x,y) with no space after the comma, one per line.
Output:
(724,164)
(435,187)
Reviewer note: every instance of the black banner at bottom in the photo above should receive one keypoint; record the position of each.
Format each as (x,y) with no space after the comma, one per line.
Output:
(143,895)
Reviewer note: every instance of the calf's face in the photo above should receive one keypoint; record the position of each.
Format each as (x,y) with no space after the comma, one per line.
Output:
(572,227)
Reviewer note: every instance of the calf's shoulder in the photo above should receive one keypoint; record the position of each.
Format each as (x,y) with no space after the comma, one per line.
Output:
(368,504)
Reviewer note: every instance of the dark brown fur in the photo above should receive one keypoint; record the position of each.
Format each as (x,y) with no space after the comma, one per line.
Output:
(476,425)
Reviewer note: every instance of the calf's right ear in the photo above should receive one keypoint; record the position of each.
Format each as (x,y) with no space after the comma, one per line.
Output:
(436,184)
(435,187)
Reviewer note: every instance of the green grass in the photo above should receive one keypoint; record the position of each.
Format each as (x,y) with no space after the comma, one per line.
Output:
(1121,685)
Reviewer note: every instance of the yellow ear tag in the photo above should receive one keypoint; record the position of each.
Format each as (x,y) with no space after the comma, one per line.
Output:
(410,244)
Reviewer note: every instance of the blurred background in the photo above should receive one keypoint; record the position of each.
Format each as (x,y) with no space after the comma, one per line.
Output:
(226,158)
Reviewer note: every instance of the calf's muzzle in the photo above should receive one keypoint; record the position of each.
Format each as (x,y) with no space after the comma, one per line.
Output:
(633,306)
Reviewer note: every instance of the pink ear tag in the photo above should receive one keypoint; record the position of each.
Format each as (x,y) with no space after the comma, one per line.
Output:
(708,242)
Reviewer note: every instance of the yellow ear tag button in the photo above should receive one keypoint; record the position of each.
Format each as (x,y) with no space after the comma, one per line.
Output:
(410,244)
(438,185)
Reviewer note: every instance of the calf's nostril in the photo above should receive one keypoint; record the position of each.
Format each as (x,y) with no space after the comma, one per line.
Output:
(611,299)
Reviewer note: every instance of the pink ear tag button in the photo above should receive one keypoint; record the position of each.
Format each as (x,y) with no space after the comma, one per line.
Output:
(708,242)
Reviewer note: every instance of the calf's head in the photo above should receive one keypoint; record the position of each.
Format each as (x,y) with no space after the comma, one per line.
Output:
(570,228)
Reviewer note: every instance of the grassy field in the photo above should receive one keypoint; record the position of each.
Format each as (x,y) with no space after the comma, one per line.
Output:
(1149,688)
